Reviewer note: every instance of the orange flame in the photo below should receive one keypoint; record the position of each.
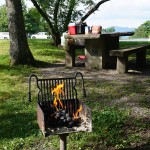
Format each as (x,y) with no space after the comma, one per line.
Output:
(55,103)
(57,91)
(75,116)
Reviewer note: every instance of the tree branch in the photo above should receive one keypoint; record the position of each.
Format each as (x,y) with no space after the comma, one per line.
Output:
(57,3)
(44,15)
(92,10)
(69,13)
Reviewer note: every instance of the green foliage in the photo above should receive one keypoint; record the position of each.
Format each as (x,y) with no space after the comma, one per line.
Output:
(62,12)
(143,31)
(110,29)
(34,22)
(3,19)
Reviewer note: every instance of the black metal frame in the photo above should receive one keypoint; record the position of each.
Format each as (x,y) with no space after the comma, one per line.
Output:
(46,85)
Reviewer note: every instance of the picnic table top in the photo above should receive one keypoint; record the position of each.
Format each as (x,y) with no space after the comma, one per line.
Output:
(96,36)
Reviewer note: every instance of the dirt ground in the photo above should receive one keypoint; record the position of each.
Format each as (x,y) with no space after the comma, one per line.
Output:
(60,70)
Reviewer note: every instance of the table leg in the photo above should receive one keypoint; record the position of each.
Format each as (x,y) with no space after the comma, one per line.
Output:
(141,58)
(110,44)
(70,56)
(97,52)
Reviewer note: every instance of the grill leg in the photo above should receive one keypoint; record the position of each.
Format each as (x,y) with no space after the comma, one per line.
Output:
(63,141)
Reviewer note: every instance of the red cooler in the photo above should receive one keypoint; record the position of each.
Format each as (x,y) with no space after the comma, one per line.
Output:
(72,29)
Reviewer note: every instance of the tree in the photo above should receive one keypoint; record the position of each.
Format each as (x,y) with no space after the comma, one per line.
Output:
(93,9)
(3,19)
(34,22)
(58,13)
(143,31)
(110,29)
(19,49)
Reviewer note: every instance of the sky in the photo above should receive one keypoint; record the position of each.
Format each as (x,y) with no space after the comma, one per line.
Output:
(124,13)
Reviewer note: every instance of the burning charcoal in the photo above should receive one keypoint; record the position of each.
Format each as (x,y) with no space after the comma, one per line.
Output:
(64,120)
(63,112)
(70,124)
(77,121)
(68,119)
(67,115)
(57,115)
(60,122)
(62,117)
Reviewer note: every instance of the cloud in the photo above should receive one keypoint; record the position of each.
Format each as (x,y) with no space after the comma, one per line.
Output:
(129,13)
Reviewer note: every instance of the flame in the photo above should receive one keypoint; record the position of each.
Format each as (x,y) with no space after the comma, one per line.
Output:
(55,103)
(57,91)
(75,116)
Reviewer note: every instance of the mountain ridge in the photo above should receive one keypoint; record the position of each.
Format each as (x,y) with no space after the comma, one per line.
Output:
(123,29)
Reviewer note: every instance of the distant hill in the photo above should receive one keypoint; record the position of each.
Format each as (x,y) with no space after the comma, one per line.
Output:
(123,29)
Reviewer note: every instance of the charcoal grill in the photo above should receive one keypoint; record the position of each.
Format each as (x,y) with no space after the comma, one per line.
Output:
(61,113)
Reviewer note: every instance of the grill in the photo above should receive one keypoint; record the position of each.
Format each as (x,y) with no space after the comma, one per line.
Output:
(59,111)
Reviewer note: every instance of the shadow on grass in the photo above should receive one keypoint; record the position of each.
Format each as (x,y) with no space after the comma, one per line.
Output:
(17,125)
(141,147)
(25,69)
(41,64)
(3,67)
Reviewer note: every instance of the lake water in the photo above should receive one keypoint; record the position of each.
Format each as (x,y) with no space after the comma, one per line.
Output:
(136,40)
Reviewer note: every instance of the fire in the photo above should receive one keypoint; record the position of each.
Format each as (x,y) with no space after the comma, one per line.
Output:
(55,103)
(57,91)
(75,116)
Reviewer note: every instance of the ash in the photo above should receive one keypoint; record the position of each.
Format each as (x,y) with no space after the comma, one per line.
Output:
(61,130)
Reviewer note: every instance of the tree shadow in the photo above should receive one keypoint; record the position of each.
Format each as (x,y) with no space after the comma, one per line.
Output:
(42,64)
(141,147)
(138,70)
(17,125)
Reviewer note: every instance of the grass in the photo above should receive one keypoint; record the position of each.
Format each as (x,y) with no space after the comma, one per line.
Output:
(44,51)
(113,125)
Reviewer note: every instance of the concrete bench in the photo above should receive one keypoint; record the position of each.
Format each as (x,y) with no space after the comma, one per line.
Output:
(122,57)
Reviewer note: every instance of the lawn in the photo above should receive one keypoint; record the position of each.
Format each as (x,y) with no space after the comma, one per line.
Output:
(115,106)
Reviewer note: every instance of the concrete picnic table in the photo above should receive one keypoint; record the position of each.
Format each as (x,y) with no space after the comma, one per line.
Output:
(97,47)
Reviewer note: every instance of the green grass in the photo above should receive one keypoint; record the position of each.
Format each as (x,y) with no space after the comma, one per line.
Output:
(44,51)
(113,125)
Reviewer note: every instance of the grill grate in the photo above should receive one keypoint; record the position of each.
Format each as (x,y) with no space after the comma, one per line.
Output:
(46,110)
(46,86)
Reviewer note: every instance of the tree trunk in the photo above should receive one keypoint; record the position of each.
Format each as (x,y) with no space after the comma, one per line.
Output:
(19,49)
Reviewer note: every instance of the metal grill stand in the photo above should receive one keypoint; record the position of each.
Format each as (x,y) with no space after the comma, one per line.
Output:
(59,120)
(63,141)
